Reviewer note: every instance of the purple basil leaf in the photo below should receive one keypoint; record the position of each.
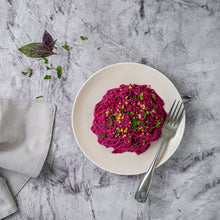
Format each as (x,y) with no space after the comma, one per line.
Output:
(36,50)
(48,40)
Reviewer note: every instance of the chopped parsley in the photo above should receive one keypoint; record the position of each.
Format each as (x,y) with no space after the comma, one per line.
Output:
(83,37)
(134,97)
(103,136)
(141,96)
(49,68)
(159,122)
(145,114)
(39,97)
(105,127)
(155,106)
(117,131)
(110,123)
(116,98)
(45,60)
(179,210)
(131,113)
(30,74)
(59,71)
(65,46)
(153,96)
(54,42)
(134,123)
(143,142)
(112,117)
(47,77)
(98,48)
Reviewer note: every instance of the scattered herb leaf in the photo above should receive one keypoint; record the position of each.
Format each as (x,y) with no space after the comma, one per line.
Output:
(55,41)
(65,46)
(155,106)
(141,96)
(110,123)
(145,114)
(49,68)
(112,117)
(143,142)
(45,60)
(153,96)
(39,97)
(134,123)
(48,40)
(98,48)
(179,210)
(55,47)
(105,127)
(117,131)
(83,37)
(47,77)
(134,97)
(30,74)
(59,71)
(132,113)
(25,73)
(102,135)
(116,98)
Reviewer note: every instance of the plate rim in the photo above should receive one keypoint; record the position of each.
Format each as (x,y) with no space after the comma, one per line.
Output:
(93,75)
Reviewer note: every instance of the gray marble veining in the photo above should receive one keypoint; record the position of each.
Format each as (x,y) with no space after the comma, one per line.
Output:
(181,38)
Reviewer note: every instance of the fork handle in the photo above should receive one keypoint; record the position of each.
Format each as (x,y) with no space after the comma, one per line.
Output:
(144,187)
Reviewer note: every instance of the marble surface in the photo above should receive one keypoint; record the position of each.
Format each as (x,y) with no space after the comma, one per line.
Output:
(181,38)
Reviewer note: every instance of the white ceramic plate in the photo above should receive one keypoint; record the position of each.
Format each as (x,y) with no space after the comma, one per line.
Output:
(92,92)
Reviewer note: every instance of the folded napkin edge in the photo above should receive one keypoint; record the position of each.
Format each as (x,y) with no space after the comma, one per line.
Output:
(42,159)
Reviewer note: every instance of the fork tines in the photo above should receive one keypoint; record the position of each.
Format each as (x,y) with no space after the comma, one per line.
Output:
(173,117)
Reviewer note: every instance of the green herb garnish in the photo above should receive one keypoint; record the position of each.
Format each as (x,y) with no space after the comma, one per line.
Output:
(83,37)
(141,96)
(59,71)
(153,96)
(65,46)
(47,77)
(155,106)
(102,135)
(179,210)
(134,123)
(49,68)
(117,131)
(25,73)
(106,127)
(45,60)
(134,97)
(30,74)
(98,48)
(116,98)
(132,113)
(110,123)
(39,97)
(112,117)
(143,142)
(159,122)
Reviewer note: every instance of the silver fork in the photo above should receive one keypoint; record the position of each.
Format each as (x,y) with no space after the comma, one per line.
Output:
(168,131)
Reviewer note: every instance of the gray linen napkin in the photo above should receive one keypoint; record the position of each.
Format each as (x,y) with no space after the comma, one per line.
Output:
(25,136)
